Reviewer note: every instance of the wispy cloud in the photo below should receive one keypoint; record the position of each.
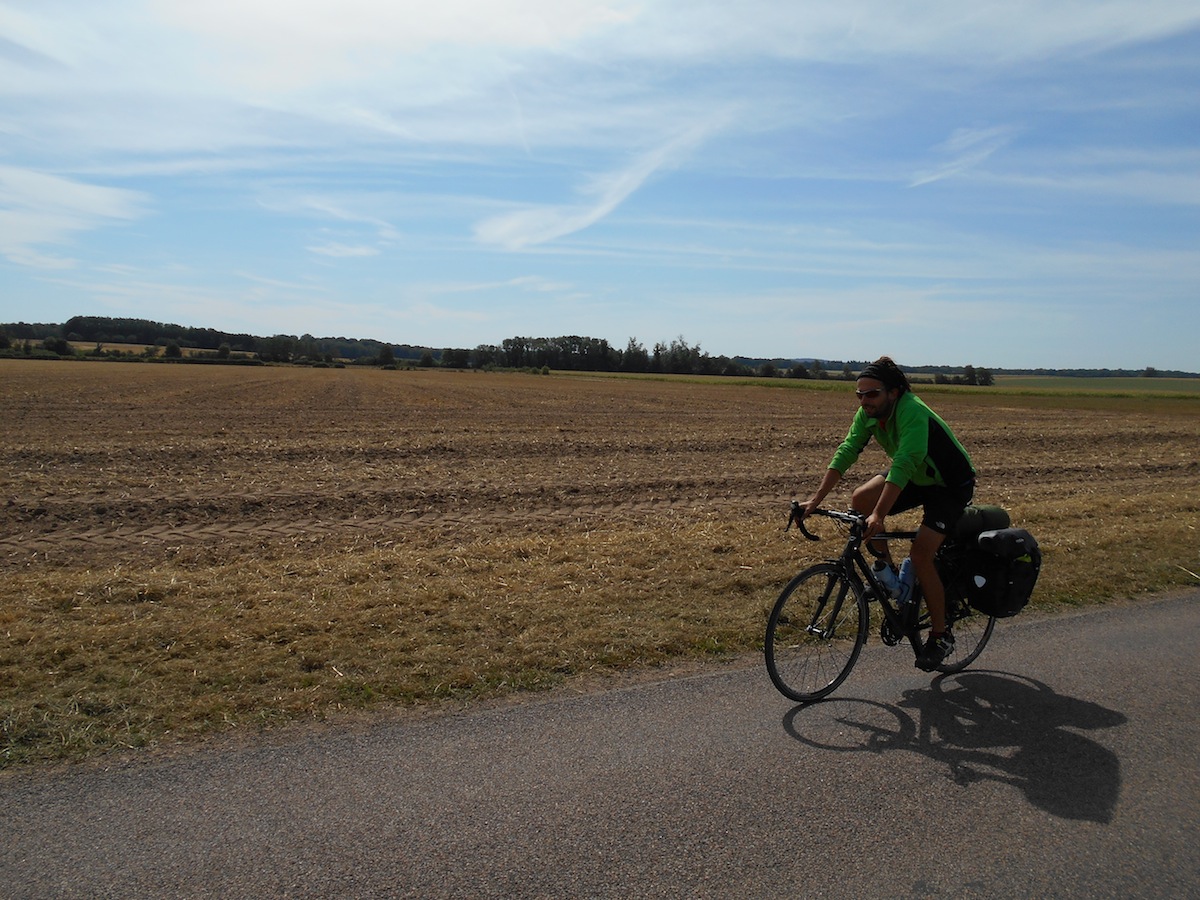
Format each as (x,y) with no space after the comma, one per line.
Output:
(38,209)
(966,149)
(875,31)
(228,76)
(343,251)
(280,45)
(541,224)
(524,283)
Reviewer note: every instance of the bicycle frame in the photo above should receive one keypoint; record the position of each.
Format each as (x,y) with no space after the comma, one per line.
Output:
(858,572)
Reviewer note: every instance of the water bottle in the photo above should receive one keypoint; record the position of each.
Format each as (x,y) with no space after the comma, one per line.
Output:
(886,576)
(905,581)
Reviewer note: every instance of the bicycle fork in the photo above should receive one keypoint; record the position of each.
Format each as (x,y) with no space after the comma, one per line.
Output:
(830,618)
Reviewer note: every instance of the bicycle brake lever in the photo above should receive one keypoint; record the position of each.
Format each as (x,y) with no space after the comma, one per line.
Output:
(797,516)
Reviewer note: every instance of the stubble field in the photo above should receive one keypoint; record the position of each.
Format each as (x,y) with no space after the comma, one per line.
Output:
(187,550)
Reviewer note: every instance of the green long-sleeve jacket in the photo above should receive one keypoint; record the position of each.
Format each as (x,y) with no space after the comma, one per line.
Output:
(922,447)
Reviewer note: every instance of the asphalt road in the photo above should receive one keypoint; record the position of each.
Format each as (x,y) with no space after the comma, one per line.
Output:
(1066,765)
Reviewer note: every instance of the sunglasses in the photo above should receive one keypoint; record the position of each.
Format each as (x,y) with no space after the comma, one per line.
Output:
(868,395)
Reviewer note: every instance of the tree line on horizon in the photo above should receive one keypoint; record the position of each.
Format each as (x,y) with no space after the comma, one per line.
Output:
(564,353)
(569,353)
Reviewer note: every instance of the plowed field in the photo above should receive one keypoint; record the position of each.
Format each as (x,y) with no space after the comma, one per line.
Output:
(188,548)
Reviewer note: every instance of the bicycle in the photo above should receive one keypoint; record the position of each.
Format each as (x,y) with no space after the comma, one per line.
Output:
(822,619)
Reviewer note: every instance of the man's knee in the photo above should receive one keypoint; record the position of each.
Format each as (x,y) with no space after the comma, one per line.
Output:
(866,495)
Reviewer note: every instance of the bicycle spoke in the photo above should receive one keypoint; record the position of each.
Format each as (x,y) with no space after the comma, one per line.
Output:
(972,630)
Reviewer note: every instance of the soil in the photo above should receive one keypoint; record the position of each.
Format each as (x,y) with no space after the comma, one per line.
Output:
(104,461)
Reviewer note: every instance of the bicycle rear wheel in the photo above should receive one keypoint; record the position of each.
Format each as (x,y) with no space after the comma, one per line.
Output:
(972,630)
(815,633)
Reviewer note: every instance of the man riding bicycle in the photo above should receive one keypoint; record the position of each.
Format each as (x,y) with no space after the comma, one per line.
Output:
(929,469)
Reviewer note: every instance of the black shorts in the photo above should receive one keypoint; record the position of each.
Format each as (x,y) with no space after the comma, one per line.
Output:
(943,506)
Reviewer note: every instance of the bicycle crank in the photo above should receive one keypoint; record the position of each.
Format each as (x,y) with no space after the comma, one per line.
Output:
(890,636)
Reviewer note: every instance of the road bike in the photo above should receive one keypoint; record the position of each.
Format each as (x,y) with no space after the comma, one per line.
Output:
(821,621)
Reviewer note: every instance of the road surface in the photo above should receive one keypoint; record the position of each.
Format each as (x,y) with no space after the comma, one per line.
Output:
(1065,765)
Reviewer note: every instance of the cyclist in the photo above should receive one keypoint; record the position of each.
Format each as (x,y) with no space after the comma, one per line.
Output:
(929,468)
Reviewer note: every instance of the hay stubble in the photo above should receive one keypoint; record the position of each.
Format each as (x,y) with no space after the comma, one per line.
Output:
(188,550)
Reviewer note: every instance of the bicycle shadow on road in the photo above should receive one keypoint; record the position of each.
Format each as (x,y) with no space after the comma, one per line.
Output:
(985,725)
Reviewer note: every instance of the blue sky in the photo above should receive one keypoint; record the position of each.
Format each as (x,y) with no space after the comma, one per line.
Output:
(1009,184)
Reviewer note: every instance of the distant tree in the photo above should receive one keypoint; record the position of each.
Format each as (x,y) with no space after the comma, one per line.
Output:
(799,370)
(485,355)
(1150,372)
(387,356)
(635,358)
(280,348)
(969,375)
(172,351)
(657,359)
(985,377)
(681,359)
(456,359)
(426,360)
(307,347)
(516,351)
(768,370)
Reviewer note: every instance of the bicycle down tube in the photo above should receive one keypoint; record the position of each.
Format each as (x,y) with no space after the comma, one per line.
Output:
(855,566)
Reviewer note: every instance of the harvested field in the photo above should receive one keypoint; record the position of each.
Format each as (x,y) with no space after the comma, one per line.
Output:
(190,549)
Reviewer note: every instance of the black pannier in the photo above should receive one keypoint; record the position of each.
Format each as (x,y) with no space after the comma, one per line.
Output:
(997,575)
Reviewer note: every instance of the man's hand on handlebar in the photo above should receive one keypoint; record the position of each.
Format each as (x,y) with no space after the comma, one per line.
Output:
(801,511)
(810,504)
(796,517)
(875,525)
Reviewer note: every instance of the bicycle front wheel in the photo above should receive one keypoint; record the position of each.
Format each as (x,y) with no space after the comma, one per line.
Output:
(815,633)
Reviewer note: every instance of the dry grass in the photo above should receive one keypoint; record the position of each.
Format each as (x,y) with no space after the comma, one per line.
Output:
(187,550)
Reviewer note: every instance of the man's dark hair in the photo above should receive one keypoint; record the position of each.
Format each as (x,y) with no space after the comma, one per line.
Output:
(886,371)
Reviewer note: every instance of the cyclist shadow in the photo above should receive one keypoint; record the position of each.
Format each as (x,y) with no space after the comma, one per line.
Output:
(987,725)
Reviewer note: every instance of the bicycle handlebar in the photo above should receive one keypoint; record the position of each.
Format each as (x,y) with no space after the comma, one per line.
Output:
(852,519)
(797,518)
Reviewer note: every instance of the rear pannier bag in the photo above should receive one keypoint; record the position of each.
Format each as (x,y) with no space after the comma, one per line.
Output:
(997,577)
